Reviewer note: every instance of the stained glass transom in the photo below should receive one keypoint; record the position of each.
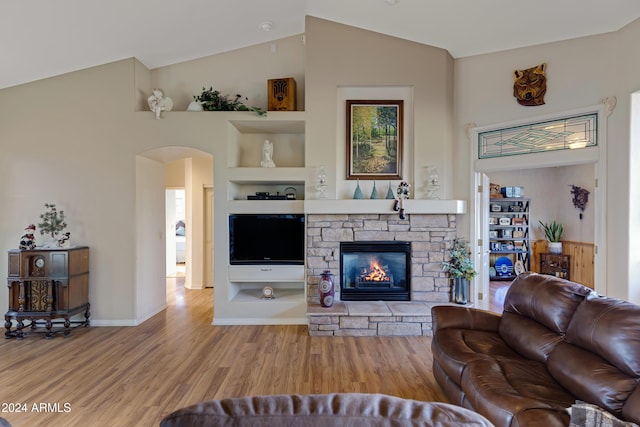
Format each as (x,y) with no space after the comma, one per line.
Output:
(559,134)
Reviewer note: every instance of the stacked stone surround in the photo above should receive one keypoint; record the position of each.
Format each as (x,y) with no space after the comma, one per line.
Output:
(429,235)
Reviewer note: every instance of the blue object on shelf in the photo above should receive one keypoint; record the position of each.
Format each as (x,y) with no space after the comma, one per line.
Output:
(504,266)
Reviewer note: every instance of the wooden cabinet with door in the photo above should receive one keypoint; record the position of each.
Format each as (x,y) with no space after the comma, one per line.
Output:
(44,285)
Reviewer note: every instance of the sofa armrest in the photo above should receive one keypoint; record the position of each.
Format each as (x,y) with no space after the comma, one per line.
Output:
(446,316)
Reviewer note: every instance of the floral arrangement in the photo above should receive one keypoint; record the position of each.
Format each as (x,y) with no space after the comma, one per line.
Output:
(213,100)
(459,264)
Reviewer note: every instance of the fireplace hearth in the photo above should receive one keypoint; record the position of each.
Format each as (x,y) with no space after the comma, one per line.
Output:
(375,271)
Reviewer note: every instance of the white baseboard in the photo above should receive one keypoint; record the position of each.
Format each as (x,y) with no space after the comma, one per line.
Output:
(126,322)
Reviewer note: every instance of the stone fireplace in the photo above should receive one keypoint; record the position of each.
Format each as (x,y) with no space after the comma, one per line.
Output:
(427,236)
(375,271)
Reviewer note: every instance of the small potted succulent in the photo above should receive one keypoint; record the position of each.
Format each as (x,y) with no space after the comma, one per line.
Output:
(553,232)
(460,268)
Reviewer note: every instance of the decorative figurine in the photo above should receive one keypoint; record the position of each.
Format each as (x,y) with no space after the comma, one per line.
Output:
(321,185)
(433,184)
(403,194)
(267,155)
(64,241)
(28,241)
(159,103)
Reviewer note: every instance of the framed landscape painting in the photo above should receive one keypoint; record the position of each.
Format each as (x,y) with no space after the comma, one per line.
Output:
(374,139)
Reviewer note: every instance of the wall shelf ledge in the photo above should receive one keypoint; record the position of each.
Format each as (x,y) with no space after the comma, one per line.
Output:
(384,206)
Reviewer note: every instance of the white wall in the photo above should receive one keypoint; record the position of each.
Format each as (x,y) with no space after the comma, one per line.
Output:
(73,139)
(551,199)
(150,287)
(170,231)
(580,73)
(343,61)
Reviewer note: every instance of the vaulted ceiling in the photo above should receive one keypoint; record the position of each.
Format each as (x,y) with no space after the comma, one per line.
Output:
(43,38)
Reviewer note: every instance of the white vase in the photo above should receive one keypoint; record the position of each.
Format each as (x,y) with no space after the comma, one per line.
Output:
(195,106)
(554,247)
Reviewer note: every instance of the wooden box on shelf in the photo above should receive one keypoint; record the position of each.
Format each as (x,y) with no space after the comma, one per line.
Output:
(282,94)
(47,284)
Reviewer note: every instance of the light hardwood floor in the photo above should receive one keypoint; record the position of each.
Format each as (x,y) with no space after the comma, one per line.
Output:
(133,376)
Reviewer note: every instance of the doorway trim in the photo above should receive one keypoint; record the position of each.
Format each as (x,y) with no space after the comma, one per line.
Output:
(480,194)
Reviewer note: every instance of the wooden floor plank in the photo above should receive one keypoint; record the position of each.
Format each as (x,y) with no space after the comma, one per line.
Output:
(133,376)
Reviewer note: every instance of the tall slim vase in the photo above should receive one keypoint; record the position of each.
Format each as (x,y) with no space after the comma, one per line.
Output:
(460,291)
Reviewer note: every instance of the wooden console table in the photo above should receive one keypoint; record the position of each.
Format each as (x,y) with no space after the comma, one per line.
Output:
(47,284)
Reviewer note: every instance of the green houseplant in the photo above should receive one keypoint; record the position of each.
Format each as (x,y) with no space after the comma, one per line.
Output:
(460,268)
(213,100)
(53,221)
(553,232)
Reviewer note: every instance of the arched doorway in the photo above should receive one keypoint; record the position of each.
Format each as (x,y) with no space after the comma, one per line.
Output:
(151,235)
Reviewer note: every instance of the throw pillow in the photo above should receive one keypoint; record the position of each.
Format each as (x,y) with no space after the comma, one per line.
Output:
(584,414)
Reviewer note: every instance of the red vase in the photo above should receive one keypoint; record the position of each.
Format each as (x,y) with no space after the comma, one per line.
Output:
(326,288)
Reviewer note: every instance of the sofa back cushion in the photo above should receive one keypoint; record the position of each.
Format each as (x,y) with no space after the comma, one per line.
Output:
(323,410)
(537,312)
(610,328)
(600,361)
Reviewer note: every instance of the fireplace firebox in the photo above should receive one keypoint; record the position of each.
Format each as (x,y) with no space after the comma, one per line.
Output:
(375,271)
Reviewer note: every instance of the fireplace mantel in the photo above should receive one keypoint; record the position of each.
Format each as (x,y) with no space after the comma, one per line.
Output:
(384,206)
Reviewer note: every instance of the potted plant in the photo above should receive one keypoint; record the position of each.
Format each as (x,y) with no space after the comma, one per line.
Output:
(213,100)
(553,232)
(460,268)
(53,222)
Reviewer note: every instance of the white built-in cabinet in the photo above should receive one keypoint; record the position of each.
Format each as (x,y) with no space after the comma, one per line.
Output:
(244,177)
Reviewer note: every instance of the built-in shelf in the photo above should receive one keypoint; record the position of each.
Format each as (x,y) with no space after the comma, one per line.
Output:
(384,206)
(282,295)
(258,174)
(285,130)
(266,273)
(266,206)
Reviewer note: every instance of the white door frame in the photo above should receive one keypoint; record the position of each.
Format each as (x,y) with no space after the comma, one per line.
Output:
(596,155)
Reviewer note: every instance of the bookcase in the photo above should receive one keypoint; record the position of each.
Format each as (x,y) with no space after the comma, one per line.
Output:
(509,237)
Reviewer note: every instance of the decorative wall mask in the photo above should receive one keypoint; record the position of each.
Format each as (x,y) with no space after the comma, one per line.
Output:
(530,85)
(580,198)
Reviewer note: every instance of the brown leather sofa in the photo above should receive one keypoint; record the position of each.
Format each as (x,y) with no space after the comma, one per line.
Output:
(323,410)
(556,342)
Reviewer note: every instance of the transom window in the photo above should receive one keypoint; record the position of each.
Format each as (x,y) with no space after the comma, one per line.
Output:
(559,134)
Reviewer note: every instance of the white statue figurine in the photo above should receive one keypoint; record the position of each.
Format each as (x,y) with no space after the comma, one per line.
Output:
(267,155)
(158,102)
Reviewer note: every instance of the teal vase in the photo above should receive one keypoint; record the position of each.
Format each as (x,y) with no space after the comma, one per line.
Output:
(358,193)
(390,194)
(374,192)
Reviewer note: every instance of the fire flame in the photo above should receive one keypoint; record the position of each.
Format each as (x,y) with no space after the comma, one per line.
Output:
(376,273)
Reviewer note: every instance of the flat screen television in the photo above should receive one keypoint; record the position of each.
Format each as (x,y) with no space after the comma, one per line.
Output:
(266,239)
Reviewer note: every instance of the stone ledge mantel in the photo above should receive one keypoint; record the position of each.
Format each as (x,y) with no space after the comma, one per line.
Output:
(384,206)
